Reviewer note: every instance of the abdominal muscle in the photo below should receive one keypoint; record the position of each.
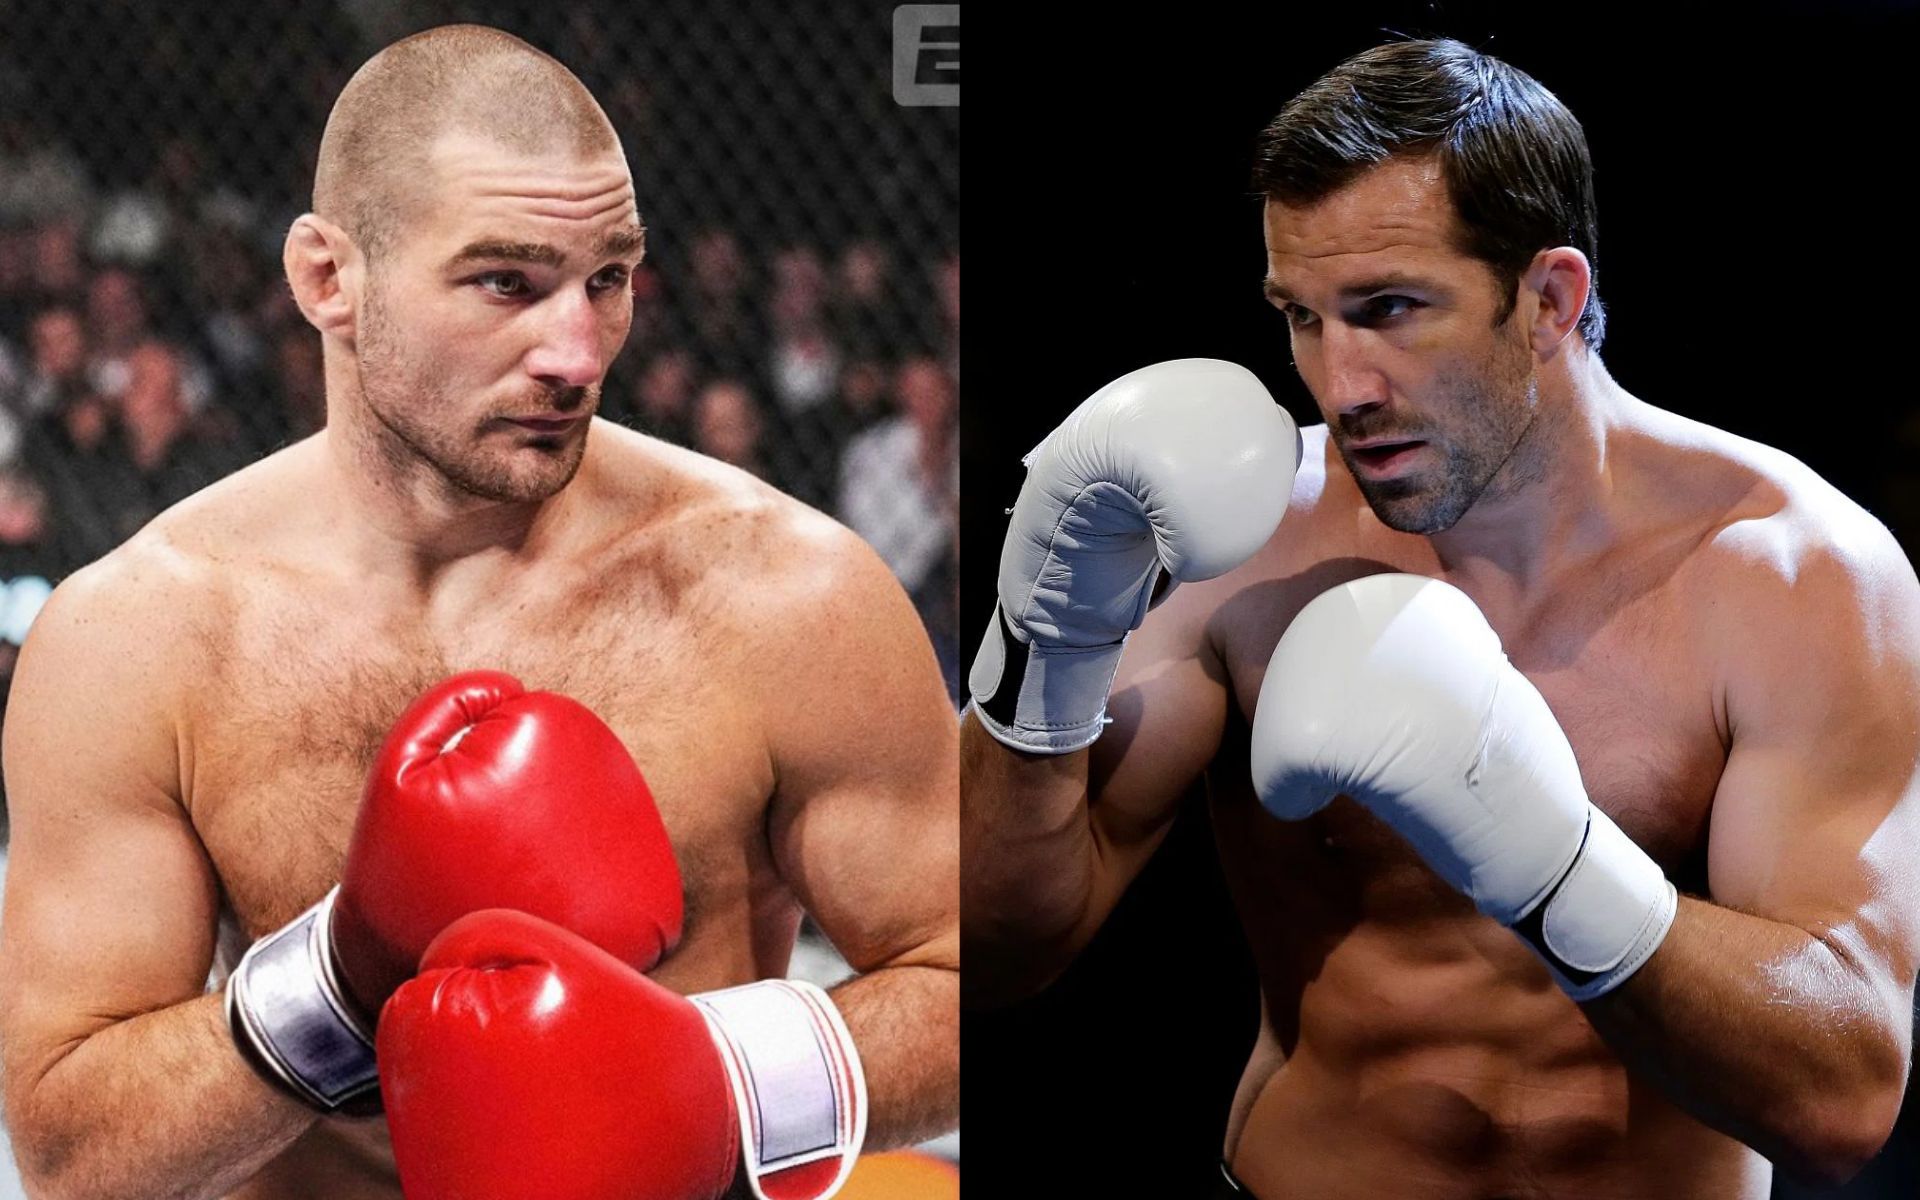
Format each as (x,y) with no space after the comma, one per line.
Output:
(1431,1057)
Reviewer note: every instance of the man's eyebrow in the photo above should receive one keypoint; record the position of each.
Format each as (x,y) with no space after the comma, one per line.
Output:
(1365,287)
(1390,282)
(621,243)
(500,250)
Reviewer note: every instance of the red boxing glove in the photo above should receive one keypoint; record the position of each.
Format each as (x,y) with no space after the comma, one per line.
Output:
(484,795)
(523,1060)
(489,796)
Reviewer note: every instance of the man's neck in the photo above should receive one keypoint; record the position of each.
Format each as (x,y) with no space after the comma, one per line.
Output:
(1553,502)
(407,519)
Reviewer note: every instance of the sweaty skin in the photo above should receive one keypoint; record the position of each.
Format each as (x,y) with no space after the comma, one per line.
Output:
(1733,650)
(193,716)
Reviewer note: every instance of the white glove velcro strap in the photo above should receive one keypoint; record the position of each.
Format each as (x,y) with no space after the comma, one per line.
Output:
(1041,699)
(1604,916)
(289,1018)
(797,1084)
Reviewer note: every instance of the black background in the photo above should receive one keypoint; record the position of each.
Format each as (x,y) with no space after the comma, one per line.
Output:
(1755,257)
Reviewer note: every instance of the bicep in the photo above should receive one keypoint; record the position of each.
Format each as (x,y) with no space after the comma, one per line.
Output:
(865,818)
(1816,821)
(110,900)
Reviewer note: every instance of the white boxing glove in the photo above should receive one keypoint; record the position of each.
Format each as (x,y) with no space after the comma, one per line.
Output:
(1393,690)
(1183,467)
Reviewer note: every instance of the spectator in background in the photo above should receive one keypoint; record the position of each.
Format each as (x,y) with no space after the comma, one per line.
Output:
(159,460)
(117,325)
(719,311)
(57,374)
(223,278)
(57,270)
(727,425)
(804,364)
(54,378)
(153,422)
(900,483)
(63,441)
(863,395)
(26,528)
(864,309)
(111,463)
(663,396)
(40,179)
(802,368)
(136,224)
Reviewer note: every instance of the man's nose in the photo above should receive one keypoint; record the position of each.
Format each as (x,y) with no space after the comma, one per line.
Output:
(568,353)
(1351,379)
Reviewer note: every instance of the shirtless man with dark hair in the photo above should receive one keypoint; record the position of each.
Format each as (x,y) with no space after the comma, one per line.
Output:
(1561,750)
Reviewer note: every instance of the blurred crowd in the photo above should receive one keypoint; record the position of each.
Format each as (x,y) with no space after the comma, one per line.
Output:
(149,345)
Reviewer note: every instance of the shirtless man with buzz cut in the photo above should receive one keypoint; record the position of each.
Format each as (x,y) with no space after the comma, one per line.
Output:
(1626,911)
(194,715)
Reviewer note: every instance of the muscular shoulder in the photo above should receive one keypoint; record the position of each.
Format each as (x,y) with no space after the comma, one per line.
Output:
(106,665)
(1792,578)
(154,598)
(755,557)
(1774,524)
(175,578)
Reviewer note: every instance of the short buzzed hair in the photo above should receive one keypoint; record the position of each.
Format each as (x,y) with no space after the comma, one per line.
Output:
(456,78)
(1514,159)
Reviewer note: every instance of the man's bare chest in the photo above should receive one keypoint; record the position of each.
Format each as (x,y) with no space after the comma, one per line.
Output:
(276,753)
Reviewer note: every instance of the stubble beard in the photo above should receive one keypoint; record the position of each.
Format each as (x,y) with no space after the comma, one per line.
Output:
(404,393)
(1496,408)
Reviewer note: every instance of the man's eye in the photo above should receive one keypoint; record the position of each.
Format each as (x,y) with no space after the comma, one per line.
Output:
(1298,317)
(508,285)
(610,279)
(1384,308)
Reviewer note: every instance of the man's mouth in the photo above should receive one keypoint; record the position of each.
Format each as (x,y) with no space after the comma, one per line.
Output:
(547,423)
(1383,455)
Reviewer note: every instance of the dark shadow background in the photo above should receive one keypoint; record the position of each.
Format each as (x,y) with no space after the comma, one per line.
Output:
(1756,263)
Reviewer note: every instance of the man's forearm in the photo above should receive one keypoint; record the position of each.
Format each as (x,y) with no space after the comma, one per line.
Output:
(905,1022)
(160,1106)
(1766,1032)
(1028,849)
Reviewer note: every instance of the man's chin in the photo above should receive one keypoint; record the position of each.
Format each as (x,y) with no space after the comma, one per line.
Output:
(1408,506)
(522,482)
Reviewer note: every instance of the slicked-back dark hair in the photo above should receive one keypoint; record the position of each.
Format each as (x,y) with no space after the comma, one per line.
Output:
(1514,159)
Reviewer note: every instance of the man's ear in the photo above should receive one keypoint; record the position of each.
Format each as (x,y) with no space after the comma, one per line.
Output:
(1561,277)
(327,273)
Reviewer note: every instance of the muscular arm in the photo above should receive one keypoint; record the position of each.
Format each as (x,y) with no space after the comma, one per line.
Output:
(863,826)
(120,1076)
(1781,1011)
(1052,841)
